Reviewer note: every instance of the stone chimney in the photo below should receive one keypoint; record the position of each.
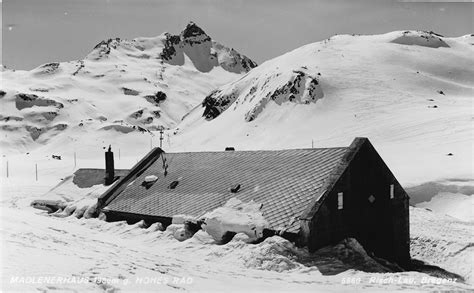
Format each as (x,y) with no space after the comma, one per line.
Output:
(109,167)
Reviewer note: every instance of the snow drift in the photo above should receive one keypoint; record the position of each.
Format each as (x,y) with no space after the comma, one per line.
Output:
(235,217)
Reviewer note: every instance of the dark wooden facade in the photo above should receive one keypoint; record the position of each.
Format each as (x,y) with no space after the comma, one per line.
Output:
(369,213)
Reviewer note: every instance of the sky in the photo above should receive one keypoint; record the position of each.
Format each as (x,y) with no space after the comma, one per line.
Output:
(35,32)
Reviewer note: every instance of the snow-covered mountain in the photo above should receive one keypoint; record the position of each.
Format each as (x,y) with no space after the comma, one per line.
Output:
(410,92)
(121,85)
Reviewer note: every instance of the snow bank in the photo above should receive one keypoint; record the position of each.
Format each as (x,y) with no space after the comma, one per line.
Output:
(456,205)
(86,207)
(443,241)
(181,219)
(277,254)
(76,195)
(347,254)
(273,254)
(235,217)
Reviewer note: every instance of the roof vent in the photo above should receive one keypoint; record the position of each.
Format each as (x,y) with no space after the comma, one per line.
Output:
(173,184)
(235,188)
(229,149)
(149,181)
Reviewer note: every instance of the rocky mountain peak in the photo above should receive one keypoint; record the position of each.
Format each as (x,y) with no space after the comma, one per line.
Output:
(204,52)
(193,34)
(192,30)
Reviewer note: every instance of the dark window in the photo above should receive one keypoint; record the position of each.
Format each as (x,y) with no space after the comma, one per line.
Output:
(235,188)
(173,184)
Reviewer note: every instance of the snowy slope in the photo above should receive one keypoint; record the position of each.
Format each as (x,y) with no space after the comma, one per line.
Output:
(456,205)
(410,92)
(120,86)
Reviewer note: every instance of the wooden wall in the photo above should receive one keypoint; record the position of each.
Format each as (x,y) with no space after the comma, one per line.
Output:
(382,227)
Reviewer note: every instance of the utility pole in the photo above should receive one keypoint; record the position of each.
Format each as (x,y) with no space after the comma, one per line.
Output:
(161,136)
(36,171)
(312,144)
(7,169)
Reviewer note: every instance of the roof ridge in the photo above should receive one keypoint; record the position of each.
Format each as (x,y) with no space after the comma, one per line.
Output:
(255,151)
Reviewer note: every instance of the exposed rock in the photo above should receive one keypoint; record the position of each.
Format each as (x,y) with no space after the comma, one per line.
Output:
(157,98)
(215,104)
(60,126)
(193,34)
(421,38)
(156,113)
(130,92)
(169,51)
(49,115)
(34,131)
(81,66)
(29,100)
(137,114)
(300,88)
(13,118)
(102,49)
(203,52)
(43,90)
(48,68)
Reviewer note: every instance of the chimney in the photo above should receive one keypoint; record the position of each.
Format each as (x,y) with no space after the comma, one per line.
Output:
(109,167)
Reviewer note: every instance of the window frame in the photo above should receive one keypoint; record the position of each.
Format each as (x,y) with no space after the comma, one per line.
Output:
(340,200)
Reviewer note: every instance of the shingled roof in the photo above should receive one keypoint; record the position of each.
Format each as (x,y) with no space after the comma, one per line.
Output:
(286,182)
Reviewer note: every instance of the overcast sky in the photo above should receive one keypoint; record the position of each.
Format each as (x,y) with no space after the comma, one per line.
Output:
(39,31)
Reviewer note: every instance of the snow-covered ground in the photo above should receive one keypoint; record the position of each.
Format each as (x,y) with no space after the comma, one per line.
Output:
(410,93)
(46,253)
